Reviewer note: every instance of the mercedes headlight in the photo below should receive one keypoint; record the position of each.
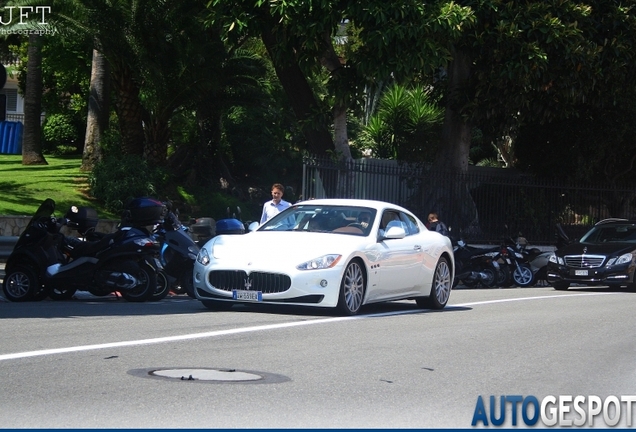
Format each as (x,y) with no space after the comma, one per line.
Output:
(553,258)
(625,258)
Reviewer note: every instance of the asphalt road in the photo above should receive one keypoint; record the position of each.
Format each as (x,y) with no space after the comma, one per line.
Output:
(98,363)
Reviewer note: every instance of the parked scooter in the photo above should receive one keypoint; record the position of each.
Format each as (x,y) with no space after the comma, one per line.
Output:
(474,265)
(177,256)
(44,260)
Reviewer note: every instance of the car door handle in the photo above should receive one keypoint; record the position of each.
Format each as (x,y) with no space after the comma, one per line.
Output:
(417,247)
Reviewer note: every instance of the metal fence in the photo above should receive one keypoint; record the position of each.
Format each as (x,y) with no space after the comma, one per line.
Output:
(482,206)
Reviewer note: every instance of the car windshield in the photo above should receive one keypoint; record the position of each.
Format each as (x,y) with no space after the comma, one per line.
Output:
(623,233)
(325,219)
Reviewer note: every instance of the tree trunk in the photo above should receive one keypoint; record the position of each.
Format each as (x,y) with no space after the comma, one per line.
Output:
(32,142)
(300,95)
(157,133)
(129,110)
(446,191)
(98,111)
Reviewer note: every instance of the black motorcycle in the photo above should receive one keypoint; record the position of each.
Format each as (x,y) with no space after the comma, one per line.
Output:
(474,265)
(45,262)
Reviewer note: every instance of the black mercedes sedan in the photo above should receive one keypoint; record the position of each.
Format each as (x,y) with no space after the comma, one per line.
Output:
(605,255)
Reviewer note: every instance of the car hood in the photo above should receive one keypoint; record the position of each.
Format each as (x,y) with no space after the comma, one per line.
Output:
(282,248)
(608,249)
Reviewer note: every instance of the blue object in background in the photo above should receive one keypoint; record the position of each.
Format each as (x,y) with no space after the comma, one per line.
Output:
(10,137)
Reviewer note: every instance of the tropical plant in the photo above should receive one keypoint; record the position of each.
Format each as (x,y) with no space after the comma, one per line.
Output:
(405,126)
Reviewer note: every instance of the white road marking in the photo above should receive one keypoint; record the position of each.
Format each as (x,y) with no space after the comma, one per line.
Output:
(262,328)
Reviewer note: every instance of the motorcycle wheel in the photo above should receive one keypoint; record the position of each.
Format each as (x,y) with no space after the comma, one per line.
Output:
(163,287)
(469,283)
(523,276)
(491,279)
(504,277)
(56,293)
(21,284)
(147,277)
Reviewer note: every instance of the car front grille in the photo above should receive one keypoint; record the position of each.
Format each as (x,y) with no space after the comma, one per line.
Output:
(267,283)
(584,261)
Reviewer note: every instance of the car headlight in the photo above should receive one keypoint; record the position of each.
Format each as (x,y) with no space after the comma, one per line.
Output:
(553,258)
(625,258)
(323,262)
(203,257)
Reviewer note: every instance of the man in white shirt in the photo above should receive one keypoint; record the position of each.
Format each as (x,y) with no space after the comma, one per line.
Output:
(276,205)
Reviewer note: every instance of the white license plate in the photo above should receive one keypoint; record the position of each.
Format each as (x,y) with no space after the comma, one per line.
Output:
(247,295)
(580,272)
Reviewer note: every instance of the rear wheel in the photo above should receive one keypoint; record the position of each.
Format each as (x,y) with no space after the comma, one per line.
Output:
(440,289)
(147,277)
(352,289)
(21,284)
(504,278)
(163,287)
(491,277)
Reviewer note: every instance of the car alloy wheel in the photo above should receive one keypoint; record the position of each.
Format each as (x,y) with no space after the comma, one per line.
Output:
(351,289)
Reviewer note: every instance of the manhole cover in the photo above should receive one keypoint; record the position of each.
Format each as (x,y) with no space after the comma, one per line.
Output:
(207,374)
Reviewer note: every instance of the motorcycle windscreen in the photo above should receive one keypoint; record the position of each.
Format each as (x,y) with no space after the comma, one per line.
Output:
(46,210)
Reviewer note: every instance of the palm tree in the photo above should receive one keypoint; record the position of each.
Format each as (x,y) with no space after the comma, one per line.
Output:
(32,140)
(98,111)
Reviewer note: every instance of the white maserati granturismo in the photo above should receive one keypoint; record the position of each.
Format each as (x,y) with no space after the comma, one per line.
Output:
(331,253)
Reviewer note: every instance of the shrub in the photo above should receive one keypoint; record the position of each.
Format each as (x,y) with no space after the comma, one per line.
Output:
(115,180)
(60,134)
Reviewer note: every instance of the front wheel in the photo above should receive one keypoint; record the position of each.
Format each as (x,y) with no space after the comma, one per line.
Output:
(147,277)
(21,284)
(440,287)
(352,289)
(523,275)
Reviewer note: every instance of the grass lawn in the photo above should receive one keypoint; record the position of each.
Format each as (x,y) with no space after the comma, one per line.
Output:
(23,188)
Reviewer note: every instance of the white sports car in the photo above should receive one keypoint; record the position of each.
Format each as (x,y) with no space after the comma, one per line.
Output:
(334,253)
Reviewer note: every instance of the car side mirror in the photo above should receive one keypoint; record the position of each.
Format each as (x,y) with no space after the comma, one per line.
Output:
(394,232)
(253,226)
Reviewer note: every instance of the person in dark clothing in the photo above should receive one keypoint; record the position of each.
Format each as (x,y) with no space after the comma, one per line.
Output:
(434,224)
